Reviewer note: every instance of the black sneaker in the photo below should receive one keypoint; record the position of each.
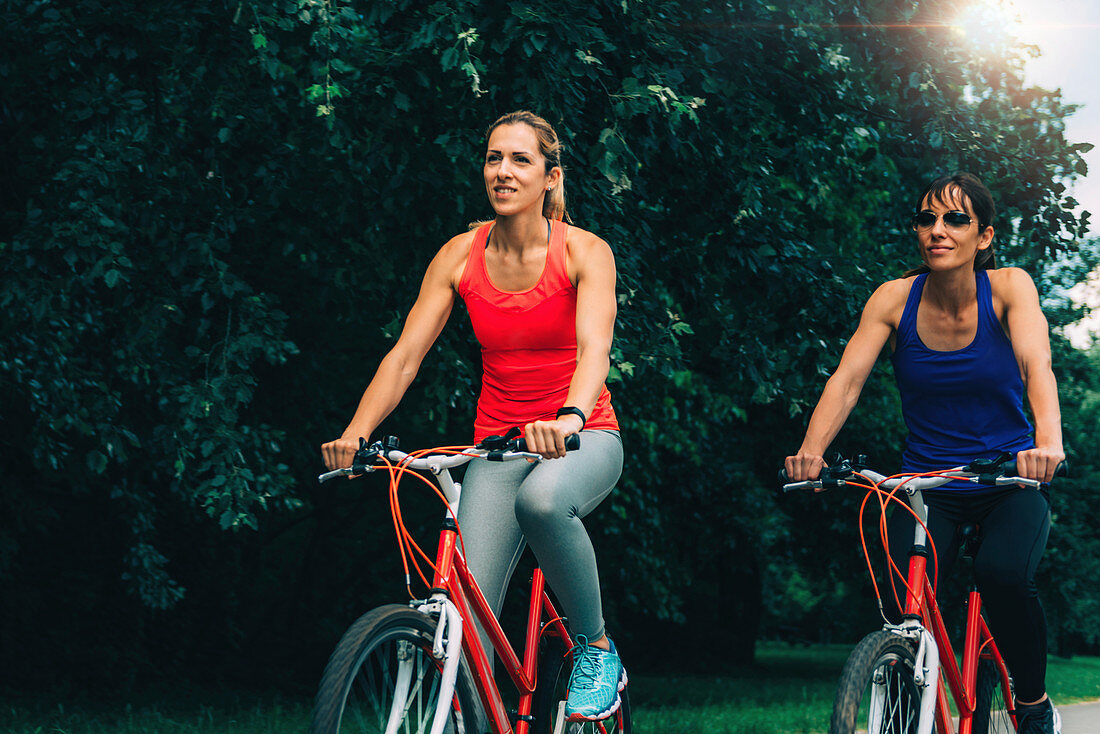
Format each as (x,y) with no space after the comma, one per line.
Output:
(1038,718)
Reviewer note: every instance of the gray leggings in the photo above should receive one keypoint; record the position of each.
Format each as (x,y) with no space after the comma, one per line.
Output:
(505,505)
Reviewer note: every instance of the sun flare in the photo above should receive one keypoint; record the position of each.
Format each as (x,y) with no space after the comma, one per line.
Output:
(989,23)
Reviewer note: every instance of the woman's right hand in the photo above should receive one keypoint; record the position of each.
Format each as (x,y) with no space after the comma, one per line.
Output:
(339,454)
(803,466)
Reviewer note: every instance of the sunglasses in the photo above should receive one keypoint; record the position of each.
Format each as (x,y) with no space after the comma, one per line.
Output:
(954,220)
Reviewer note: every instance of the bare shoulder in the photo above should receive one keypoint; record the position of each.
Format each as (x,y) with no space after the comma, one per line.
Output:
(1013,292)
(450,261)
(1009,282)
(895,289)
(458,246)
(582,244)
(588,257)
(888,300)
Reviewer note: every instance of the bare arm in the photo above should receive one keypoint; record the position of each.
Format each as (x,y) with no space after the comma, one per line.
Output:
(1028,330)
(594,266)
(842,391)
(398,368)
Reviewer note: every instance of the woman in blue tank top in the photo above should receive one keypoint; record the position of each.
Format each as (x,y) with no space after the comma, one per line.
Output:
(968,342)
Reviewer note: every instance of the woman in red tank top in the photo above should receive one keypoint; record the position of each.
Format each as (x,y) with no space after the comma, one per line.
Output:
(541,298)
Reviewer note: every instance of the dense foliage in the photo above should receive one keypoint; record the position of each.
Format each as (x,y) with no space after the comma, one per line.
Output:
(216,215)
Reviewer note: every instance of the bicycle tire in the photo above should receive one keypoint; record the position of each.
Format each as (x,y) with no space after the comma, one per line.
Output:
(555,665)
(990,707)
(357,687)
(885,660)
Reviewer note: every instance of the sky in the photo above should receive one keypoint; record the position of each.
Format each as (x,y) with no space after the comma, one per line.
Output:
(1067,33)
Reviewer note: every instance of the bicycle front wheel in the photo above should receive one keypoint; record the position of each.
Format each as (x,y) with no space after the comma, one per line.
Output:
(877,693)
(990,707)
(382,678)
(555,665)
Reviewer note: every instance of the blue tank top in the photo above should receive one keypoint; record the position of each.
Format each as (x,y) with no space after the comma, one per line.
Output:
(962,404)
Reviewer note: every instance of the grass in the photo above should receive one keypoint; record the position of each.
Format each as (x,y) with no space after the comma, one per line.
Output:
(789,690)
(1073,680)
(262,716)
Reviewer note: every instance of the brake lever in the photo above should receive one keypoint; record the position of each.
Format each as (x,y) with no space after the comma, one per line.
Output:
(989,470)
(499,443)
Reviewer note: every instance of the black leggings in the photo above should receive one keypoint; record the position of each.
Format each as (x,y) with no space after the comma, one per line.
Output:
(1013,528)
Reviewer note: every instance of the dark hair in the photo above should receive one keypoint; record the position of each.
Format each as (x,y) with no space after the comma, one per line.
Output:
(972,191)
(553,206)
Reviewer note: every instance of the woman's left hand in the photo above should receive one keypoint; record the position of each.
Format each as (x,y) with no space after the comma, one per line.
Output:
(548,437)
(1039,463)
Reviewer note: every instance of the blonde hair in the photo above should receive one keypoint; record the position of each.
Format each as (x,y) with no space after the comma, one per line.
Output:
(553,205)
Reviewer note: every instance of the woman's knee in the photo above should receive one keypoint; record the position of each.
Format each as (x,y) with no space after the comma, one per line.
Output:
(540,505)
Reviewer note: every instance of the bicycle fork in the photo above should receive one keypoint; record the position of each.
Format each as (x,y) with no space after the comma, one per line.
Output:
(926,674)
(447,647)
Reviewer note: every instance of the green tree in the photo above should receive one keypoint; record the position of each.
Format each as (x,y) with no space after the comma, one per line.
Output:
(218,215)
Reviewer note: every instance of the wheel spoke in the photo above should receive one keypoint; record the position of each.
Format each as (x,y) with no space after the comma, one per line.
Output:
(389,649)
(877,689)
(374,687)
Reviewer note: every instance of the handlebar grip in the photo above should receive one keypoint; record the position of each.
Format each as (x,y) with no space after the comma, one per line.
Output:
(1008,469)
(829,476)
(572,443)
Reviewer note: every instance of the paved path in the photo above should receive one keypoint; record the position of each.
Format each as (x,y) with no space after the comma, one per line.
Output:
(1081,718)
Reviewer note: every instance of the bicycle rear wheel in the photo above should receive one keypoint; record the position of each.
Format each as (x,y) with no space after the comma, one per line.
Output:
(382,676)
(548,707)
(877,692)
(990,706)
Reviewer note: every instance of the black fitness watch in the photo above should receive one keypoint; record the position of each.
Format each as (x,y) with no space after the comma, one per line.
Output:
(570,410)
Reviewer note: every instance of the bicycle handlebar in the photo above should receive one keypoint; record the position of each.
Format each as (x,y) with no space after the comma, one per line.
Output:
(988,472)
(493,448)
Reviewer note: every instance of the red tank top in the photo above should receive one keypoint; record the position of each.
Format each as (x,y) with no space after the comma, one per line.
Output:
(528,342)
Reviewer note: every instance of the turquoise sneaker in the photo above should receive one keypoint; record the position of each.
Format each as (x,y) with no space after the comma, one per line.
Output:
(598,676)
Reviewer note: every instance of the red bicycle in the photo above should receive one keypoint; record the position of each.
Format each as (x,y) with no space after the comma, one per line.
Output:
(421,667)
(892,681)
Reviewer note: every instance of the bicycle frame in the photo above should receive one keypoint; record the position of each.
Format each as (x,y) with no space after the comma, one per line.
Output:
(920,602)
(455,578)
(922,621)
(458,601)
